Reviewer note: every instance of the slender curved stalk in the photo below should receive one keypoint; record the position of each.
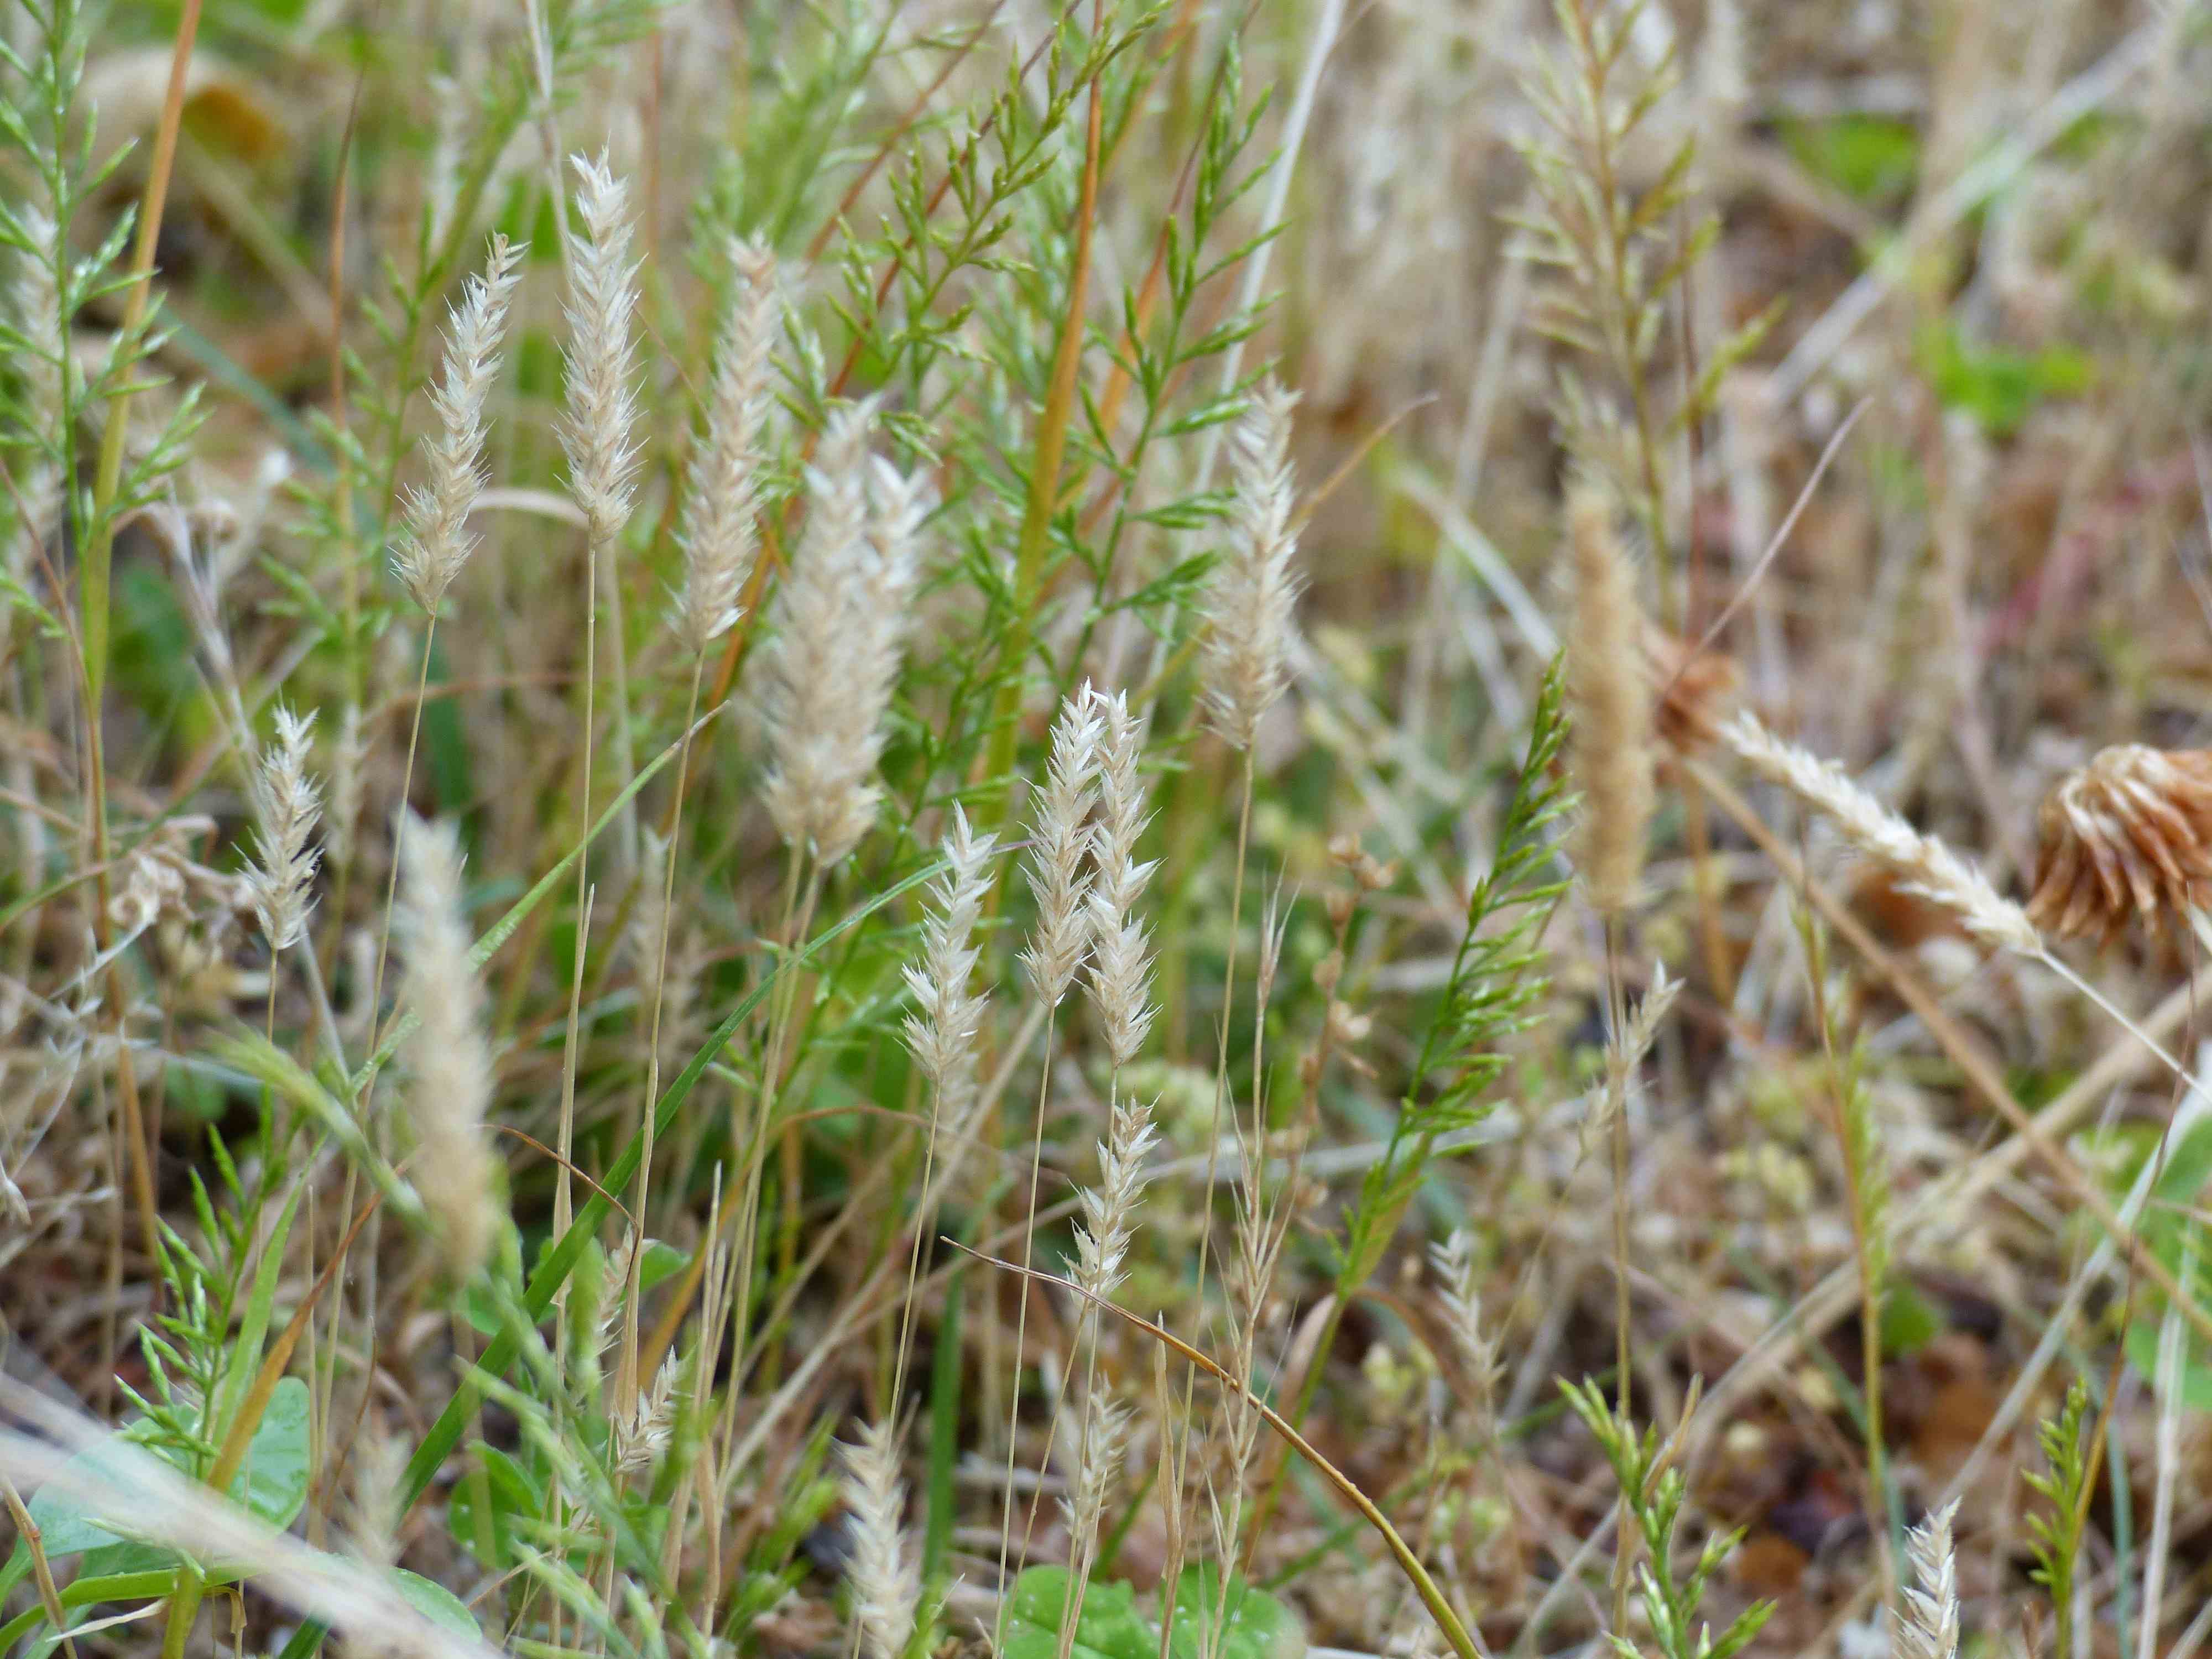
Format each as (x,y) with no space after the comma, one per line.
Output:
(1455,1629)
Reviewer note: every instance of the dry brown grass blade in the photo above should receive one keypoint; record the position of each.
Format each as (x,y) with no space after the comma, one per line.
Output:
(42,1571)
(1979,1068)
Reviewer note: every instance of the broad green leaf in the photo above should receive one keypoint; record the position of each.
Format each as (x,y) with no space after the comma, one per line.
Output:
(274,1482)
(512,1491)
(437,1604)
(65,1528)
(1109,1627)
(1254,1625)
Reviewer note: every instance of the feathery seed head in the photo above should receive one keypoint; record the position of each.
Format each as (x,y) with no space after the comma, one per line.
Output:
(286,805)
(599,433)
(1609,750)
(1922,864)
(1101,1238)
(2130,835)
(452,1165)
(841,617)
(1252,595)
(1099,1457)
(1059,837)
(885,1577)
(719,535)
(1454,1261)
(640,1440)
(1120,960)
(380,1466)
(943,1034)
(1929,1629)
(436,541)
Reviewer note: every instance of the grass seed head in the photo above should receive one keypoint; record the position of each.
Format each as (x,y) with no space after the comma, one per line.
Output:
(1252,596)
(1610,748)
(1059,836)
(451,1168)
(885,1577)
(2128,837)
(286,807)
(719,535)
(842,618)
(599,432)
(1922,864)
(436,541)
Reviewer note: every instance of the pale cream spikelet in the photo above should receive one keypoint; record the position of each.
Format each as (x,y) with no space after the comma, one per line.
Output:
(1921,864)
(452,1165)
(1110,1208)
(1059,839)
(1099,1452)
(598,431)
(841,622)
(1609,740)
(885,1577)
(944,1032)
(436,541)
(642,1438)
(1929,1629)
(1251,596)
(1473,1342)
(1121,957)
(2128,837)
(287,806)
(719,534)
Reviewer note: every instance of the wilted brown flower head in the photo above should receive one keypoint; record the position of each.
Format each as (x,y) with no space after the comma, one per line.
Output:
(2127,835)
(1695,688)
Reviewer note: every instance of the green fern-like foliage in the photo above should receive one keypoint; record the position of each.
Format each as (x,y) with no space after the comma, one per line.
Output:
(1655,1491)
(2056,1538)
(1497,983)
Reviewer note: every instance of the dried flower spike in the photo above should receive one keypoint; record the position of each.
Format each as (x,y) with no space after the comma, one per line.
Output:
(451,1168)
(599,432)
(286,805)
(1923,864)
(722,486)
(1254,592)
(943,1035)
(1929,1629)
(885,1577)
(1120,959)
(841,616)
(436,542)
(1609,753)
(1101,1238)
(2129,835)
(1059,837)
